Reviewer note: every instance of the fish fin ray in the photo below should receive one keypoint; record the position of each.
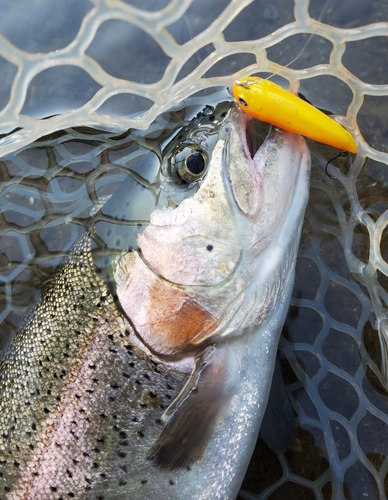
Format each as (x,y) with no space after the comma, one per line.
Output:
(184,438)
(277,428)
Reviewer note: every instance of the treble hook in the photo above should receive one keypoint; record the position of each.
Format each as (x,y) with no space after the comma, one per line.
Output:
(343,153)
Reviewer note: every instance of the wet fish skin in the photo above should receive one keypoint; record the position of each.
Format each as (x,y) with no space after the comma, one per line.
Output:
(64,411)
(86,431)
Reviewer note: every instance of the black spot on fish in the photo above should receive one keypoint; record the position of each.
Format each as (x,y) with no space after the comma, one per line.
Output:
(117,242)
(209,248)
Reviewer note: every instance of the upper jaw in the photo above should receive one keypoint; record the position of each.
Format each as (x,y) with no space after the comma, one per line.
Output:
(241,174)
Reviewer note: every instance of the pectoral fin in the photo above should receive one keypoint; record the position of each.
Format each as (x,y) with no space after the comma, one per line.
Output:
(195,413)
(277,428)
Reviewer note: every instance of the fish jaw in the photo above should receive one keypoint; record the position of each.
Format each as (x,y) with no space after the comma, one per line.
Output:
(200,262)
(195,243)
(247,355)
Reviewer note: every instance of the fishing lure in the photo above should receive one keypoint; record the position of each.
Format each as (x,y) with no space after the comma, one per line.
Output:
(270,103)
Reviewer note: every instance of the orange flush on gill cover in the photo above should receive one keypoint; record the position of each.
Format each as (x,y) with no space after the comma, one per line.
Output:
(164,315)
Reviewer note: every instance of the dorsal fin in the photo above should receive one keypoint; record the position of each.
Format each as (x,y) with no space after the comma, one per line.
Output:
(195,412)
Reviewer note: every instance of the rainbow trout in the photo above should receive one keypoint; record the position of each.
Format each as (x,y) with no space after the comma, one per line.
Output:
(146,375)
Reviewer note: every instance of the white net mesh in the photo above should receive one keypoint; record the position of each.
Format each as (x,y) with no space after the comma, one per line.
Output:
(112,66)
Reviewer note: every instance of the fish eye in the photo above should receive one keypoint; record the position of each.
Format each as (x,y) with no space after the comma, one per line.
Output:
(196,163)
(242,102)
(193,167)
(187,164)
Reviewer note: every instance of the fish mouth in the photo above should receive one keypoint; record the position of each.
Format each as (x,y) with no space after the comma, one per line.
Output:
(252,133)
(243,162)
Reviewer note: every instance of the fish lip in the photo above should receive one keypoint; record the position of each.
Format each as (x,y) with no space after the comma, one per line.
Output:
(245,128)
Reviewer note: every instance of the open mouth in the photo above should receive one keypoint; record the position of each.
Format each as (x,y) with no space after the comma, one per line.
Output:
(256,132)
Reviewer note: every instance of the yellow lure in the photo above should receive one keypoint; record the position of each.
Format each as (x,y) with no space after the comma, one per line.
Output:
(270,103)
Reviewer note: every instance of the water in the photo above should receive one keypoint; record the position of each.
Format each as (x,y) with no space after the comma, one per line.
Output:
(50,190)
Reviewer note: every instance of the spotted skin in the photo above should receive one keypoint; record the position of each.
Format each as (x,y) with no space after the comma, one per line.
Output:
(75,394)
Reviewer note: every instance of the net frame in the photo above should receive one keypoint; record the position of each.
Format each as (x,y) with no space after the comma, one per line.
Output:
(21,130)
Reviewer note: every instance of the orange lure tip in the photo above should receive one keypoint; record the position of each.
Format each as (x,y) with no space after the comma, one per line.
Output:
(270,103)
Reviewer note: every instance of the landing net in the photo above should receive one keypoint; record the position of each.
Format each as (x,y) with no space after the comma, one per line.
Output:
(112,66)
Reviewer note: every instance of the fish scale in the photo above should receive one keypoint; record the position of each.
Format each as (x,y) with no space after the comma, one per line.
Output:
(345,45)
(78,397)
(110,419)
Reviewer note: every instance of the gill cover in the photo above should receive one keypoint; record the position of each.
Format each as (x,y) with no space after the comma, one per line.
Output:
(198,287)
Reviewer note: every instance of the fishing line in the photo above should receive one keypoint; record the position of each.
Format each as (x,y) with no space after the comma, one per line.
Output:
(306,43)
(343,153)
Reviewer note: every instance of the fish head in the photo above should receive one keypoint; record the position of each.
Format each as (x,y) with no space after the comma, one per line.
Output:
(201,271)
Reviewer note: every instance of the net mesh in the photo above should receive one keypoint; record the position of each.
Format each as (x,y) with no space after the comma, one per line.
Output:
(112,66)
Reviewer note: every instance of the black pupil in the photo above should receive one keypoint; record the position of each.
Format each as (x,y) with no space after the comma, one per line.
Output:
(195,163)
(242,102)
